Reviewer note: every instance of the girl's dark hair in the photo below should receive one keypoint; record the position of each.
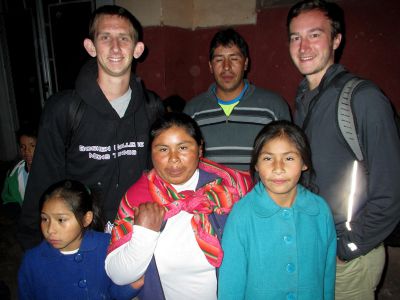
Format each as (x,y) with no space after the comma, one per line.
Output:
(177,119)
(79,199)
(296,135)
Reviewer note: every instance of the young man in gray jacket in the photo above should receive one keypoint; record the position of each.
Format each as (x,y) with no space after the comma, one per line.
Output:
(364,196)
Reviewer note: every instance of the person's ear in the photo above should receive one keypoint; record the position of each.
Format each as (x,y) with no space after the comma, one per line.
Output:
(87,219)
(201,149)
(304,167)
(336,41)
(90,48)
(211,68)
(246,63)
(139,49)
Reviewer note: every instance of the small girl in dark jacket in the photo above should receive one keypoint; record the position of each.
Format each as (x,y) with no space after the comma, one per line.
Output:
(69,263)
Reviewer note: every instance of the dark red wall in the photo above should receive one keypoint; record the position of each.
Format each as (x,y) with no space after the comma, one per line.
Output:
(177,61)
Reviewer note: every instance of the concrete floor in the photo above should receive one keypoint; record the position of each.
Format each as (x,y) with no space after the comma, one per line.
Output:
(11,253)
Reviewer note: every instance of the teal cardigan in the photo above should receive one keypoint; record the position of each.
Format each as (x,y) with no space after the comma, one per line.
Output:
(273,252)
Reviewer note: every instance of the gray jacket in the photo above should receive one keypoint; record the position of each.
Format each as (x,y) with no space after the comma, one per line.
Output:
(362,222)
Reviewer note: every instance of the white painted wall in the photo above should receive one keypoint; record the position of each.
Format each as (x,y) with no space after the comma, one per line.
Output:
(192,13)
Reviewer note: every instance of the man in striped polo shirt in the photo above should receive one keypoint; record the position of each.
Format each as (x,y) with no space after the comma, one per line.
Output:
(233,111)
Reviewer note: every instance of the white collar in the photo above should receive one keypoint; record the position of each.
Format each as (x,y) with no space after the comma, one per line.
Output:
(189,185)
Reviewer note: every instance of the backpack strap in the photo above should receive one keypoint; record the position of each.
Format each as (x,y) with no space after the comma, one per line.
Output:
(153,104)
(76,110)
(346,119)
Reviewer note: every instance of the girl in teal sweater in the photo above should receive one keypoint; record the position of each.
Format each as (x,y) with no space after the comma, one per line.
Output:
(279,241)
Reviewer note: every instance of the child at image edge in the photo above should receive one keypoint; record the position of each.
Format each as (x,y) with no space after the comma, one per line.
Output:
(279,241)
(69,263)
(15,183)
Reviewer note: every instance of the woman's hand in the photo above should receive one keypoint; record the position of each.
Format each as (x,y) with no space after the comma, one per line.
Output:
(149,215)
(138,283)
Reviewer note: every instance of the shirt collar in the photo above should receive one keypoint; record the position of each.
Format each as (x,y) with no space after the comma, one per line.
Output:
(265,207)
(88,244)
(328,76)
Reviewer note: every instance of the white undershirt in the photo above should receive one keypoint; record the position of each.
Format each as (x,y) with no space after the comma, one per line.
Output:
(120,104)
(184,270)
(69,252)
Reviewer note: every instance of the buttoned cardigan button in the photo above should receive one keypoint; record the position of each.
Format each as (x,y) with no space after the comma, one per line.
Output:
(286,213)
(290,268)
(82,283)
(288,239)
(78,257)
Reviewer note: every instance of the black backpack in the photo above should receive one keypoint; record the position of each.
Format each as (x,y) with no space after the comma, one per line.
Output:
(347,126)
